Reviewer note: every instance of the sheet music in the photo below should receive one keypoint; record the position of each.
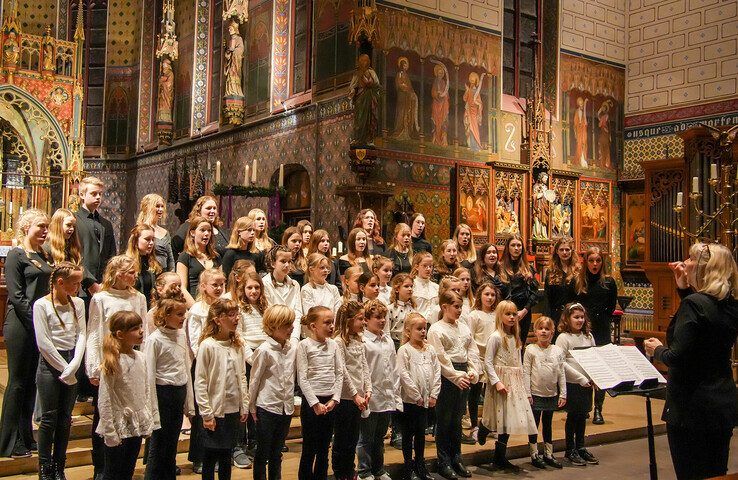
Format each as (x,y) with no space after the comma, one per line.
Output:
(597,370)
(640,364)
(611,355)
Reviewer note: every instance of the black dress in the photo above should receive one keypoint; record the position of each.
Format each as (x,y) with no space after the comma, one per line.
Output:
(524,294)
(27,277)
(421,245)
(344,265)
(194,269)
(401,262)
(146,280)
(599,301)
(477,281)
(232,255)
(222,239)
(558,295)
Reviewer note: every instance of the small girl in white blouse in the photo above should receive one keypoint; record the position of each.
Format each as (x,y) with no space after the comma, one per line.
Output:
(168,366)
(127,399)
(545,382)
(356,391)
(320,375)
(383,269)
(425,291)
(221,389)
(401,305)
(167,285)
(59,324)
(351,289)
(279,288)
(317,291)
(420,378)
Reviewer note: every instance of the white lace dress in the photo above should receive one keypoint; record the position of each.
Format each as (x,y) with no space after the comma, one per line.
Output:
(510,412)
(127,402)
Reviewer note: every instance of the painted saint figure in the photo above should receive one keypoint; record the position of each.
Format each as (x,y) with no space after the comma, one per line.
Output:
(406,114)
(440,107)
(234,62)
(540,207)
(364,93)
(11,50)
(580,131)
(473,111)
(166,91)
(603,141)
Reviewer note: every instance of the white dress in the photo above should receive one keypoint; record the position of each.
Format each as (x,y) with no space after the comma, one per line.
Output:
(506,413)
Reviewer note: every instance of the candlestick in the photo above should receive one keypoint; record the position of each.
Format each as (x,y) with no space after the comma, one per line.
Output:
(333,252)
(695,185)
(680,199)
(281,175)
(217,171)
(246,176)
(253,173)
(340,246)
(713,170)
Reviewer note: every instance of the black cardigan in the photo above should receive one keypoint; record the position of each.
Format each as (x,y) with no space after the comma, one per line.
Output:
(700,394)
(558,295)
(599,301)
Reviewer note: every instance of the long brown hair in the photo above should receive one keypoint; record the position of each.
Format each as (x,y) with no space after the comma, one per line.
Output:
(468,253)
(62,270)
(165,307)
(315,239)
(62,249)
(351,245)
(397,282)
(217,309)
(298,259)
(120,321)
(240,293)
(376,233)
(582,283)
(262,242)
(565,322)
(344,316)
(440,266)
(510,267)
(394,245)
(417,258)
(561,273)
(480,291)
(197,207)
(190,246)
(243,223)
(133,251)
(161,280)
(480,269)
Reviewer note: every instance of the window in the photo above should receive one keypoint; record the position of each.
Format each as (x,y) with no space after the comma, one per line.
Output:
(335,56)
(116,135)
(520,22)
(257,61)
(301,46)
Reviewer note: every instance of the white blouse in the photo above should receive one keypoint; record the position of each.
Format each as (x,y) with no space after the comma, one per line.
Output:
(127,402)
(211,382)
(272,383)
(197,317)
(420,374)
(425,294)
(252,328)
(385,376)
(319,370)
(454,344)
(53,336)
(569,341)
(396,314)
(357,378)
(481,324)
(285,293)
(325,295)
(384,294)
(168,361)
(543,371)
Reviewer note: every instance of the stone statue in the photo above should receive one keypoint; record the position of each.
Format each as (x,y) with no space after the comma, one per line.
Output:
(234,62)
(540,207)
(166,91)
(11,50)
(364,92)
(48,63)
(406,113)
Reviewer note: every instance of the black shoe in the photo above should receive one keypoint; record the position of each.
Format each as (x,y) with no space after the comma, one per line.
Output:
(552,462)
(396,440)
(285,448)
(422,471)
(447,472)
(408,472)
(34,447)
(197,468)
(178,471)
(430,430)
(46,472)
(20,451)
(587,457)
(537,461)
(482,434)
(597,417)
(467,440)
(99,476)
(574,458)
(59,471)
(461,470)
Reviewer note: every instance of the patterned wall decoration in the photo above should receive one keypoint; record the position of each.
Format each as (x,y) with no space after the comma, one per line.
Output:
(201,65)
(435,203)
(115,203)
(487,14)
(594,28)
(280,46)
(681,53)
(645,149)
(184,17)
(123,34)
(61,20)
(58,102)
(35,15)
(146,68)
(333,145)
(594,215)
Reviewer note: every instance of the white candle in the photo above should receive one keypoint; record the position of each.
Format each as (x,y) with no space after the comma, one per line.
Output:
(217,171)
(11,207)
(713,170)
(20,211)
(680,199)
(281,175)
(695,185)
(246,176)
(333,252)
(253,173)
(340,246)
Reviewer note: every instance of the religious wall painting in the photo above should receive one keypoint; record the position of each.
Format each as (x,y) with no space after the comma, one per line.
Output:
(591,115)
(365,93)
(594,214)
(635,228)
(562,207)
(473,185)
(508,203)
(257,60)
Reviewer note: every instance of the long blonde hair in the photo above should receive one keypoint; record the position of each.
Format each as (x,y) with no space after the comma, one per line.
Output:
(61,248)
(716,270)
(417,258)
(197,208)
(147,209)
(262,242)
(121,321)
(115,266)
(205,276)
(344,317)
(411,319)
(468,253)
(399,228)
(504,307)
(239,293)
(582,282)
(25,221)
(243,223)
(440,266)
(133,252)
(218,308)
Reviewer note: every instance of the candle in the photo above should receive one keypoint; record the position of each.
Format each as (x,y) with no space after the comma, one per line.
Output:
(246,176)
(10,209)
(695,185)
(253,173)
(333,252)
(281,175)
(340,246)
(217,171)
(680,199)
(713,170)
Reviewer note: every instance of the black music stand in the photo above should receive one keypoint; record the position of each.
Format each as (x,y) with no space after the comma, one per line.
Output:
(646,391)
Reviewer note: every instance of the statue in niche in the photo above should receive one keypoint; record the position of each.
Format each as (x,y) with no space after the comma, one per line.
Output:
(166,91)
(440,108)
(580,131)
(364,92)
(48,63)
(540,207)
(603,141)
(473,111)
(11,50)
(406,114)
(234,62)
(238,9)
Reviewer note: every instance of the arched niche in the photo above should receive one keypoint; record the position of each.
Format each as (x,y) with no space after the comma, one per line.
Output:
(297,201)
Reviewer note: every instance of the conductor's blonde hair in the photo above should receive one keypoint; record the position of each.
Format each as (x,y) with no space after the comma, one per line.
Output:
(716,271)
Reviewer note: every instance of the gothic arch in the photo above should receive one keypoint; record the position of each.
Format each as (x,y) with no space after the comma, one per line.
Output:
(37,128)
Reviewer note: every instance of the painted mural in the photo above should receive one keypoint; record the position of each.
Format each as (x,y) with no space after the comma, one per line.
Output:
(509,200)
(473,199)
(562,208)
(257,63)
(594,214)
(635,228)
(591,115)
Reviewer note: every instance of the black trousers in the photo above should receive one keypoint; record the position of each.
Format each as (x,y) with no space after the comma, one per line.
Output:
(698,454)
(196,432)
(271,432)
(475,393)
(216,456)
(120,461)
(345,439)
(525,326)
(317,431)
(547,421)
(576,424)
(20,393)
(162,452)
(56,400)
(450,408)
(414,420)
(98,444)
